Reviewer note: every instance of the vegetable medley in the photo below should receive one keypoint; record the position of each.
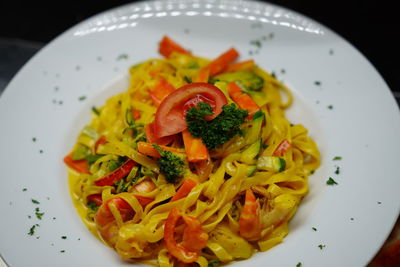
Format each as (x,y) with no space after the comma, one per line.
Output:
(195,163)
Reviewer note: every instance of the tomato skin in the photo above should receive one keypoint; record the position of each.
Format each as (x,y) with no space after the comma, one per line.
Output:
(170,115)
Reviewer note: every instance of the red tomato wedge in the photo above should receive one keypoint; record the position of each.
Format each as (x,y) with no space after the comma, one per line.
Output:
(149,130)
(170,115)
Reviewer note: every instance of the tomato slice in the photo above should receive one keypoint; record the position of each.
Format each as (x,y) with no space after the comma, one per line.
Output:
(170,115)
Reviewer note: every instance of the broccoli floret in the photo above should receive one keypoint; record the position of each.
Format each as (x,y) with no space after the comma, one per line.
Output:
(218,131)
(247,79)
(170,165)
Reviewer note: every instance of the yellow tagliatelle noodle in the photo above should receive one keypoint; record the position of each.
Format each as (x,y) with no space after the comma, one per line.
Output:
(271,160)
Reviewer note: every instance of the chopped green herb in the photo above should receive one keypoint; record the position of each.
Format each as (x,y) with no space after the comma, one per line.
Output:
(122,56)
(24,190)
(62,251)
(283,71)
(64,237)
(218,131)
(298,264)
(96,111)
(337,170)
(29,216)
(256,43)
(38,214)
(321,246)
(352,219)
(331,181)
(379,202)
(93,206)
(32,230)
(330,107)
(41,151)
(81,98)
(312,171)
(34,139)
(317,83)
(337,158)
(315,229)
(34,201)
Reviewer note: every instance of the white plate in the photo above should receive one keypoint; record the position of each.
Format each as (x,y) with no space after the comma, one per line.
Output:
(350,113)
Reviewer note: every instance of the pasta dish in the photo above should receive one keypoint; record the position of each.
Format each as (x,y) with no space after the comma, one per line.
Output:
(195,163)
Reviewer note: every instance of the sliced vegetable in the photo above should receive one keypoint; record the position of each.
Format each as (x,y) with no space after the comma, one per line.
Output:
(101,141)
(249,155)
(78,165)
(222,62)
(145,186)
(255,131)
(250,221)
(269,163)
(150,136)
(149,150)
(194,147)
(117,174)
(247,79)
(170,115)
(136,114)
(282,148)
(95,198)
(162,89)
(243,100)
(184,190)
(80,152)
(203,75)
(168,46)
(243,65)
(194,237)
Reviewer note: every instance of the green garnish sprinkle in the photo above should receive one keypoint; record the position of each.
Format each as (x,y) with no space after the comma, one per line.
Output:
(331,181)
(337,158)
(34,201)
(218,131)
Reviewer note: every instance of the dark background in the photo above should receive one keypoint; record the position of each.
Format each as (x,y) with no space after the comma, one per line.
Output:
(371,26)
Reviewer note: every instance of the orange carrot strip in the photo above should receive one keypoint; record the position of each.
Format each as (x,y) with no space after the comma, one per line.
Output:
(168,46)
(203,75)
(244,65)
(282,148)
(184,190)
(161,91)
(78,165)
(222,62)
(148,149)
(243,100)
(194,147)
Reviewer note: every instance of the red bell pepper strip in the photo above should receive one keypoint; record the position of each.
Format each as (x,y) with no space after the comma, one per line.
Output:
(95,198)
(219,64)
(151,138)
(243,65)
(184,190)
(101,141)
(78,165)
(117,174)
(282,148)
(194,147)
(243,100)
(148,149)
(194,237)
(162,89)
(168,46)
(250,221)
(136,114)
